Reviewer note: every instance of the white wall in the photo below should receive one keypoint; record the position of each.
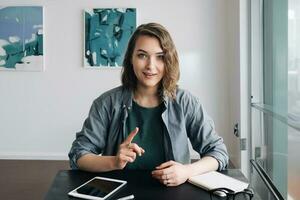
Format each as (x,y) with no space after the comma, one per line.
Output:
(234,78)
(41,111)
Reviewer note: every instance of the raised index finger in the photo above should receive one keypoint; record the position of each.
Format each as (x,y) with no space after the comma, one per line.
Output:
(131,136)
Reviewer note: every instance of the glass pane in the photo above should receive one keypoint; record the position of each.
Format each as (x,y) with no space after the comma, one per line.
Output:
(266,157)
(293,164)
(294,98)
(275,85)
(269,152)
(262,192)
(276,116)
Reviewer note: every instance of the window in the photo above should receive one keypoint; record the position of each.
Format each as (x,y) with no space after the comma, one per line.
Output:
(275,89)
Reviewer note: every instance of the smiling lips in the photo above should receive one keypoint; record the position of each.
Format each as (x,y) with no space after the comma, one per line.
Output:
(149,75)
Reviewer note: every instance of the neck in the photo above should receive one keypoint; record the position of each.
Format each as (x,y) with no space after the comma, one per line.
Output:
(146,97)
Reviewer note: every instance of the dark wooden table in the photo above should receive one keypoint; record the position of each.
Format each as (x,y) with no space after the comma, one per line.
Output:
(139,183)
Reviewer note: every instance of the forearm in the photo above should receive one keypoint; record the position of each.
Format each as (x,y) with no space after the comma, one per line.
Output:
(95,163)
(203,165)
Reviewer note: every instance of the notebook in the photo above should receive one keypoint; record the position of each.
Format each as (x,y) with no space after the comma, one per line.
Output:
(213,180)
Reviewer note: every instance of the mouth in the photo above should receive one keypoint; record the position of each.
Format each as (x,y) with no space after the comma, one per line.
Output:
(149,75)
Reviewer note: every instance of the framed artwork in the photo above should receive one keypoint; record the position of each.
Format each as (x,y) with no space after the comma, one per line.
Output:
(21,38)
(107,32)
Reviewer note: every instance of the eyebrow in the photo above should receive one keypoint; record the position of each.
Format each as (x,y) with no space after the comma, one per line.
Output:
(157,53)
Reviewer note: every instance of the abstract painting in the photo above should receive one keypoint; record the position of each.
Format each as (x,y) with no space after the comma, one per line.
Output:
(107,32)
(21,38)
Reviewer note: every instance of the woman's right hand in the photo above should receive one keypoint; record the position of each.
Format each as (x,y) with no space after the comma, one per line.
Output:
(127,151)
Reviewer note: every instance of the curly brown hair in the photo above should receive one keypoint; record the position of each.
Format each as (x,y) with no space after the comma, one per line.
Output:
(168,84)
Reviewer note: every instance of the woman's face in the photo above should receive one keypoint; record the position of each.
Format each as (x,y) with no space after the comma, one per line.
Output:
(148,62)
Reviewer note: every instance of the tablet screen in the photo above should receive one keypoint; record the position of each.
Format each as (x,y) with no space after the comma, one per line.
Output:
(98,187)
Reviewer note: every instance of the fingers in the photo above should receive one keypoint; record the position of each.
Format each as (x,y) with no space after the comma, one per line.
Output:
(170,173)
(126,153)
(127,150)
(125,158)
(130,137)
(164,168)
(133,146)
(162,172)
(166,164)
(164,176)
(136,148)
(169,181)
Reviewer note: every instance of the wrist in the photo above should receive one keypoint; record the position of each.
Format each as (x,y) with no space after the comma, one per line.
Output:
(189,170)
(114,163)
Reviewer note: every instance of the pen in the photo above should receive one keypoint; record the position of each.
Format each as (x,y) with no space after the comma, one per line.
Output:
(127,197)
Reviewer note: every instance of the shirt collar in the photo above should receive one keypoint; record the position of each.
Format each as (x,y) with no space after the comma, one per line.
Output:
(128,96)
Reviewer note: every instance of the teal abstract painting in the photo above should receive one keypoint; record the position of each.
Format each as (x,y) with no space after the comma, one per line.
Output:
(107,32)
(21,38)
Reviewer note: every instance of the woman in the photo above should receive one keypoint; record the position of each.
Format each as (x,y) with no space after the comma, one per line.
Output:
(146,122)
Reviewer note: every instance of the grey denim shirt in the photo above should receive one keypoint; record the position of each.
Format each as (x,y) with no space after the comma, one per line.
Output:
(184,117)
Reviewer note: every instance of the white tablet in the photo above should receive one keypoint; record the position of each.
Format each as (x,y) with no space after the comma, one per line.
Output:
(98,188)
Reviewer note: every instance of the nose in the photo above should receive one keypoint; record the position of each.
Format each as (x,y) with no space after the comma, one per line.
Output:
(151,62)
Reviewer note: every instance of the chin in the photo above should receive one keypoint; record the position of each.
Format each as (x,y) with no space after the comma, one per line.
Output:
(147,84)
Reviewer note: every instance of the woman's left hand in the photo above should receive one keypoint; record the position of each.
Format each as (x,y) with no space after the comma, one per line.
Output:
(171,173)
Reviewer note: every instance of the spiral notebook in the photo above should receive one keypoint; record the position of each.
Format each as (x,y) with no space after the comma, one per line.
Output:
(213,180)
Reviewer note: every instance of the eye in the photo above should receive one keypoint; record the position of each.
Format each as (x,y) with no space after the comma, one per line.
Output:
(142,56)
(160,57)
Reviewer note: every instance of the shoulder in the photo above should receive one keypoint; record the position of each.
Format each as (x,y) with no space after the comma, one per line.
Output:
(187,102)
(185,97)
(191,106)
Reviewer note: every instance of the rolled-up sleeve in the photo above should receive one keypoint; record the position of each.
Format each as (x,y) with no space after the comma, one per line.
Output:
(203,136)
(92,137)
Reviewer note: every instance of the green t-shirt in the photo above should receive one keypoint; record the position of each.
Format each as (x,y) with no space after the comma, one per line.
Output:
(149,137)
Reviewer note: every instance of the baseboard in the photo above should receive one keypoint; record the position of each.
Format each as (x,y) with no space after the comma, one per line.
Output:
(33,156)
